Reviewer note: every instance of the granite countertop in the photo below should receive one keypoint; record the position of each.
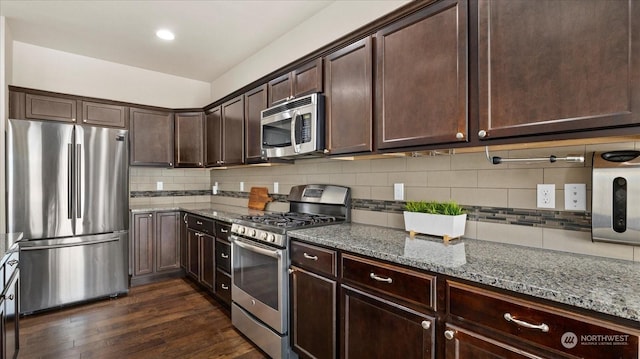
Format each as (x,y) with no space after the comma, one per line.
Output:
(7,240)
(603,285)
(600,284)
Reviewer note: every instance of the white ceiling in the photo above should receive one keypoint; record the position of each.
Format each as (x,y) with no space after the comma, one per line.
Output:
(212,36)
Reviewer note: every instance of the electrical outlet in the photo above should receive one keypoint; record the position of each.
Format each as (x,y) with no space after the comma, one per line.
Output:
(159,185)
(398,191)
(241,186)
(546,196)
(575,196)
(276,187)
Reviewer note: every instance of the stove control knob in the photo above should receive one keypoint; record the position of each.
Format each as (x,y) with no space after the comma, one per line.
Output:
(241,229)
(263,236)
(271,238)
(253,233)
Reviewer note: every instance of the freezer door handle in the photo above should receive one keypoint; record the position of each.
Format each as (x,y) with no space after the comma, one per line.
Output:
(26,247)
(78,181)
(69,181)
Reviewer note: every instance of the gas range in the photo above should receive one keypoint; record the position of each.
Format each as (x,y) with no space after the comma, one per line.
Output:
(310,205)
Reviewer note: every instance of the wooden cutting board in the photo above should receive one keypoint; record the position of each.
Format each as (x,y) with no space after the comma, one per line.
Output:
(259,197)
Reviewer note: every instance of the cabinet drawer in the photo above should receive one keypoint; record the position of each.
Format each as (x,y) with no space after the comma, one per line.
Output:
(313,258)
(11,265)
(223,255)
(223,287)
(222,230)
(201,225)
(399,282)
(554,328)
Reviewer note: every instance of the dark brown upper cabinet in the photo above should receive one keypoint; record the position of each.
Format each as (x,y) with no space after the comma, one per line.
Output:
(51,108)
(151,134)
(102,114)
(302,81)
(421,78)
(348,97)
(254,102)
(189,137)
(213,137)
(557,66)
(225,133)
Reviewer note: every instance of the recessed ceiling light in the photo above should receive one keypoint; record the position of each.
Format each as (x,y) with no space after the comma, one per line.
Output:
(165,34)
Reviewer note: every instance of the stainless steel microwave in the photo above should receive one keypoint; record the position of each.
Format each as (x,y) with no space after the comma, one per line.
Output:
(293,128)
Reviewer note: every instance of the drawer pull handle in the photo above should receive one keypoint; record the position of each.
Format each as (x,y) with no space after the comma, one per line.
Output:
(224,230)
(380,279)
(199,223)
(224,255)
(543,327)
(12,262)
(224,286)
(313,258)
(426,324)
(449,334)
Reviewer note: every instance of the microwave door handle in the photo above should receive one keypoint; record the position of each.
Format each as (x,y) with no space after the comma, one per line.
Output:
(294,121)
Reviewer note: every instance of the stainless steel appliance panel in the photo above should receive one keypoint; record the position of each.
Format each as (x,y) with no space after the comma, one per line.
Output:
(615,201)
(69,270)
(102,198)
(39,178)
(276,346)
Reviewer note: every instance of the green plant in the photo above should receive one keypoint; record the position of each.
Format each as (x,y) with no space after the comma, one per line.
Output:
(447,208)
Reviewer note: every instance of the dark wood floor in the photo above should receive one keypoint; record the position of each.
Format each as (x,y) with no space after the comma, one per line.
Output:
(170,319)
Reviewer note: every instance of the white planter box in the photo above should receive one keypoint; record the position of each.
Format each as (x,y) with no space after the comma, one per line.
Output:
(435,224)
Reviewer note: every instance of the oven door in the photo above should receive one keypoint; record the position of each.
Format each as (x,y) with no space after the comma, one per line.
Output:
(259,281)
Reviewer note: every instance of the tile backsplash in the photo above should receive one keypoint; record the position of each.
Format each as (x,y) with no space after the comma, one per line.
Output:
(468,178)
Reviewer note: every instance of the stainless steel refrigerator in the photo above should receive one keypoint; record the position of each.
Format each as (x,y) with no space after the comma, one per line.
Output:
(67,191)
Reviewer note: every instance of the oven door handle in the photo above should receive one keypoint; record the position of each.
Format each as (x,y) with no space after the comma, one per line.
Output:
(274,254)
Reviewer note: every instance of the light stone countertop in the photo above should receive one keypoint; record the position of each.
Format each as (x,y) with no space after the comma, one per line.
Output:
(603,285)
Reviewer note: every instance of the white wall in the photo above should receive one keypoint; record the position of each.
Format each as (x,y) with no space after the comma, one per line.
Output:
(5,80)
(52,70)
(333,22)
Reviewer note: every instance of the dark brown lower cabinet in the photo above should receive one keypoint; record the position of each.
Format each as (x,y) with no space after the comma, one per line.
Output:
(376,328)
(193,257)
(10,318)
(201,258)
(155,246)
(223,287)
(313,313)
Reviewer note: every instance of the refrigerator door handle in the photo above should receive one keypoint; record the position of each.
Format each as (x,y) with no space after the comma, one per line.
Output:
(79,179)
(26,247)
(69,181)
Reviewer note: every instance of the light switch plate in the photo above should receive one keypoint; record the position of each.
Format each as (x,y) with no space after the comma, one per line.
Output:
(546,197)
(398,191)
(159,185)
(575,196)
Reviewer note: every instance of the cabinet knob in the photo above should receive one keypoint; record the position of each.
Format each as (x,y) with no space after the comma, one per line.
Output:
(326,150)
(199,163)
(426,324)
(171,164)
(150,215)
(85,121)
(291,270)
(459,135)
(449,334)
(482,133)
(73,120)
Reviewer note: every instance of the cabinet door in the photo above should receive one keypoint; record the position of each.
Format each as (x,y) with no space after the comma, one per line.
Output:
(167,241)
(183,241)
(280,88)
(50,108)
(189,138)
(461,343)
(254,102)
(421,77)
(233,132)
(143,227)
(193,256)
(101,114)
(557,66)
(11,317)
(313,313)
(373,328)
(349,101)
(151,138)
(307,78)
(213,137)
(207,259)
